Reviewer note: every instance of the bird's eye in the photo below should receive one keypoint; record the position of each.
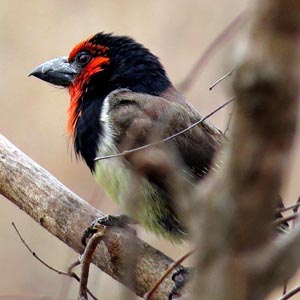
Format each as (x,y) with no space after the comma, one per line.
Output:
(83,58)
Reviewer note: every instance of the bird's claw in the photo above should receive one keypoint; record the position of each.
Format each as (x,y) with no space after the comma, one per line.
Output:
(108,221)
(179,278)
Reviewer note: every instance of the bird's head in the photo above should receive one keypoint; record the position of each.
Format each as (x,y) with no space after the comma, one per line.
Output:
(100,64)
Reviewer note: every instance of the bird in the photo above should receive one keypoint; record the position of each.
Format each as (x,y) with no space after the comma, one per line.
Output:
(118,88)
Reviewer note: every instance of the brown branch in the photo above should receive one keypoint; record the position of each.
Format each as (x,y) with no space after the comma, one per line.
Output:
(86,260)
(235,245)
(290,293)
(69,273)
(65,215)
(171,268)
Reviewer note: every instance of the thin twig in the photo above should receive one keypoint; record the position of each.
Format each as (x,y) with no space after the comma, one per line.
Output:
(223,37)
(168,271)
(169,137)
(228,123)
(291,293)
(73,265)
(297,205)
(295,210)
(221,79)
(294,207)
(86,260)
(69,273)
(284,289)
(35,255)
(294,291)
(285,219)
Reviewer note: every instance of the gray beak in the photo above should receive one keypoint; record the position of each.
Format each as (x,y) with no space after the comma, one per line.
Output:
(57,71)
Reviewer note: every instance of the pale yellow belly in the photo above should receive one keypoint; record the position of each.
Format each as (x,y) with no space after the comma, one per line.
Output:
(115,178)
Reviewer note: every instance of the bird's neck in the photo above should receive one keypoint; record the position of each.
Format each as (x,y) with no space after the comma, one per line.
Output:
(87,132)
(86,105)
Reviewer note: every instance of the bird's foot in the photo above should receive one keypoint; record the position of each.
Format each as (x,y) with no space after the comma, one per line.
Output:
(108,221)
(179,278)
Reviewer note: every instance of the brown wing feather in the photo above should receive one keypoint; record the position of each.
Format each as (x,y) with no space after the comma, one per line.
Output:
(140,119)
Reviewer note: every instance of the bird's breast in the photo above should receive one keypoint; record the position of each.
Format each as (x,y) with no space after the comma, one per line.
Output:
(112,174)
(115,176)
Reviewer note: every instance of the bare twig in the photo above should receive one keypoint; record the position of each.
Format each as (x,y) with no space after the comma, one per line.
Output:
(290,293)
(35,255)
(69,273)
(221,79)
(284,289)
(295,210)
(166,274)
(287,295)
(236,243)
(86,261)
(285,219)
(228,32)
(169,137)
(76,263)
(226,131)
(294,207)
(297,205)
(66,216)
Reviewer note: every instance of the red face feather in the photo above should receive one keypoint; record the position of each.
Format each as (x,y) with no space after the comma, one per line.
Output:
(95,67)
(76,88)
(87,45)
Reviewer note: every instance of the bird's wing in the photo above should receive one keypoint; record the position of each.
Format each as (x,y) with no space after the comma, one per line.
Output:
(140,119)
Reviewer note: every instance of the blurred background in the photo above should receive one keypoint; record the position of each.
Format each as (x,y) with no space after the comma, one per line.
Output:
(33,113)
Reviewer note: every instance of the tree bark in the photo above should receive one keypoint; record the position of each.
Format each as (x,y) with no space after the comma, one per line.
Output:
(66,215)
(237,257)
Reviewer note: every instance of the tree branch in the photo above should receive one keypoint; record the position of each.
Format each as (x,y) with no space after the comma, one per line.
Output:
(66,215)
(236,224)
